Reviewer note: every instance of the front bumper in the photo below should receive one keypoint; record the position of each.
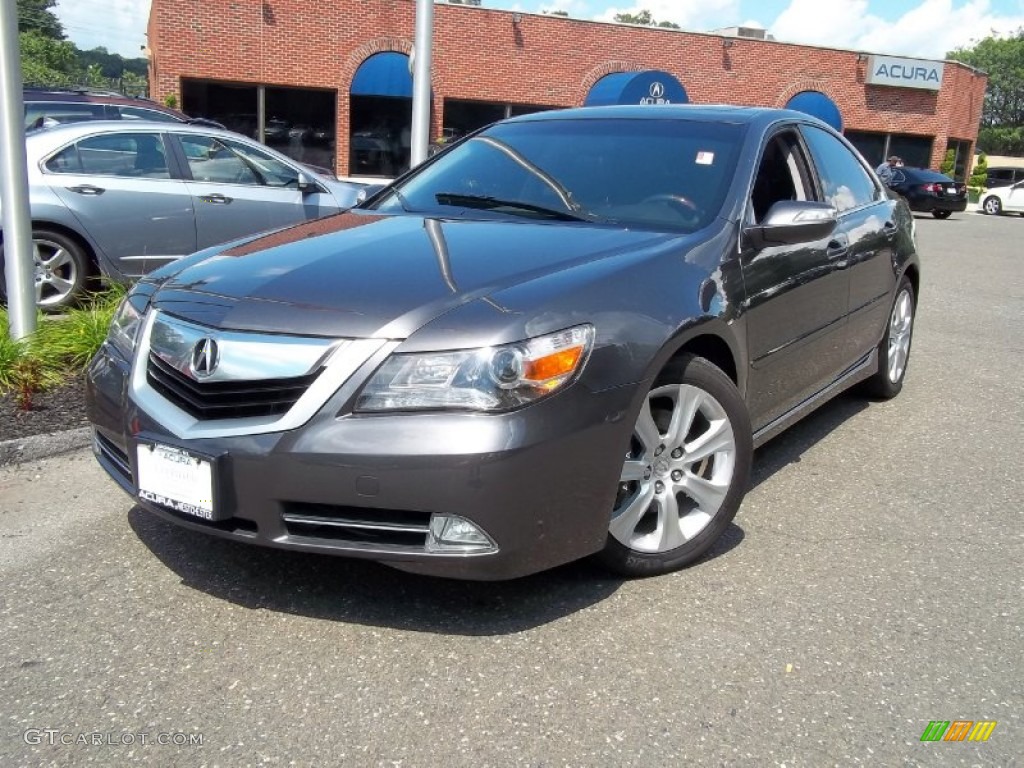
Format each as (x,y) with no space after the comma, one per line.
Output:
(539,481)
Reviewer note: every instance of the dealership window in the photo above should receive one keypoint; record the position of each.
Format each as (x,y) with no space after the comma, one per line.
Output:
(961,157)
(299,122)
(381,116)
(916,151)
(462,117)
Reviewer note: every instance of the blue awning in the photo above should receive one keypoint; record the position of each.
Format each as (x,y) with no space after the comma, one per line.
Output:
(818,105)
(650,87)
(384,74)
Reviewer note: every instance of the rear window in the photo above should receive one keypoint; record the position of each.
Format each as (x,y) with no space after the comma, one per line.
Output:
(924,174)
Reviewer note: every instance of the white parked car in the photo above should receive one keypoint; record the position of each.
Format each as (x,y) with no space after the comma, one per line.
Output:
(1004,199)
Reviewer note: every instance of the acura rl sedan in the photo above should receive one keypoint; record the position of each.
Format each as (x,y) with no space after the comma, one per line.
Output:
(562,337)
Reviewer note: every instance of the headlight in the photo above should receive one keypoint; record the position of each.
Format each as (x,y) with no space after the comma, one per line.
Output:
(488,379)
(124,328)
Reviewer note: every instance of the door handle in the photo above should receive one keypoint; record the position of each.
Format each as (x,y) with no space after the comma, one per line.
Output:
(216,199)
(890,229)
(837,248)
(87,189)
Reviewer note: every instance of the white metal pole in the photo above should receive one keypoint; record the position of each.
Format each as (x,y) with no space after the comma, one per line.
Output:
(17,222)
(421,89)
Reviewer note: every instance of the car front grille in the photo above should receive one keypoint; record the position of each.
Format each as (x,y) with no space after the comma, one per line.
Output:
(385,528)
(226,399)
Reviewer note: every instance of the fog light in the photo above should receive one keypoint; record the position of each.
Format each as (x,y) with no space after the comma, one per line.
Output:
(456,534)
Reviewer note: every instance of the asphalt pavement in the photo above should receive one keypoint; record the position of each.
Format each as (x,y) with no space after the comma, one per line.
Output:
(871,584)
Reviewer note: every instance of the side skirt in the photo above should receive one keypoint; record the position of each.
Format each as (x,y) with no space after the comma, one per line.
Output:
(863,369)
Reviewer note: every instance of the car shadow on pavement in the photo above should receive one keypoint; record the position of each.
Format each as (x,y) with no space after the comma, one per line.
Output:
(364,592)
(790,446)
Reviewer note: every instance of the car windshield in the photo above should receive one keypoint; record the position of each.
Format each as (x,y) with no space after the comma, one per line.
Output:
(645,173)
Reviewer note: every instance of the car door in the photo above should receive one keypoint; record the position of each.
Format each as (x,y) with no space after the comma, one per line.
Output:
(123,189)
(796,295)
(867,226)
(1015,197)
(239,189)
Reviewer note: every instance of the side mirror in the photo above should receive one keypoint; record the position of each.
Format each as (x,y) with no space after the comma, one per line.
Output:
(306,184)
(791,222)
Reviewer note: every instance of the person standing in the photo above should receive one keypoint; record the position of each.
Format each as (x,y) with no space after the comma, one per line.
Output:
(885,170)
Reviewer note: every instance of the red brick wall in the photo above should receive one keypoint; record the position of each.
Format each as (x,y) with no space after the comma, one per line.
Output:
(484,54)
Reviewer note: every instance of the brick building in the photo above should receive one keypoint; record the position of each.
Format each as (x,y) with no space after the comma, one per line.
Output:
(328,82)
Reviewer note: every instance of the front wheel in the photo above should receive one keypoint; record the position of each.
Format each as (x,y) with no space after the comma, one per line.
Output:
(685,473)
(992,206)
(894,349)
(942,214)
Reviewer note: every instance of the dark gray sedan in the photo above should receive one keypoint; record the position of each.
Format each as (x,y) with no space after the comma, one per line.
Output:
(562,337)
(126,197)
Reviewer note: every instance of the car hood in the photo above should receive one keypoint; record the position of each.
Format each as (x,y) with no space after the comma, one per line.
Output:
(359,275)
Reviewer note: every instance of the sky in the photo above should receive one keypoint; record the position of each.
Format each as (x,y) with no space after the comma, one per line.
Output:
(924,28)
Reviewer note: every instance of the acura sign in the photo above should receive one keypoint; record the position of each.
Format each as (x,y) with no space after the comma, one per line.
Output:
(904,73)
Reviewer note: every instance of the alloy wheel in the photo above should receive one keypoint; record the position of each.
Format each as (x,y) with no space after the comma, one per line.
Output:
(901,324)
(56,272)
(678,471)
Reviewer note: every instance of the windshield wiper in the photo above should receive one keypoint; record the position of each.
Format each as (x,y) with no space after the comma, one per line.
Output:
(489,203)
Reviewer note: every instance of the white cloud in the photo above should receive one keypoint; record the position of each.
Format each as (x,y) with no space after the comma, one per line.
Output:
(117,25)
(694,15)
(928,30)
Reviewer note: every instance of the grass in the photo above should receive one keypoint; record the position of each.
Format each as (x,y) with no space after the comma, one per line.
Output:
(60,347)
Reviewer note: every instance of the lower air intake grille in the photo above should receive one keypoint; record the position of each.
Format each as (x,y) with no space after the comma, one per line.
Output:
(113,454)
(386,528)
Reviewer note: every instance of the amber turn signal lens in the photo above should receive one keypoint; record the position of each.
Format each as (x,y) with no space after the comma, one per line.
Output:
(560,363)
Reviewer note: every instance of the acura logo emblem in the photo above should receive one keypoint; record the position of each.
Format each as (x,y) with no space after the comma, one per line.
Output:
(205,356)
(657,90)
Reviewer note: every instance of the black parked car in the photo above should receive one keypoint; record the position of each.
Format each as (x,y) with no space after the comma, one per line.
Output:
(563,336)
(930,191)
(45,107)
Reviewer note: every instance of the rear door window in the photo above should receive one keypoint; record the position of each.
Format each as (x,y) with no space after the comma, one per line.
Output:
(136,155)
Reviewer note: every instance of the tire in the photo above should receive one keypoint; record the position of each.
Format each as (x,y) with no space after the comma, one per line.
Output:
(894,349)
(992,206)
(942,214)
(62,269)
(661,521)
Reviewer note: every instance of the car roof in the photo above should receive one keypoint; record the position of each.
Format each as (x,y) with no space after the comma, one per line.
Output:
(70,131)
(712,113)
(86,95)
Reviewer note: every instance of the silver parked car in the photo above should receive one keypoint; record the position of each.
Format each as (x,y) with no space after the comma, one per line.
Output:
(125,198)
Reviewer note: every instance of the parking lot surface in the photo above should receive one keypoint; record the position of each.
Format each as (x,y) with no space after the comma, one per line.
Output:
(870,584)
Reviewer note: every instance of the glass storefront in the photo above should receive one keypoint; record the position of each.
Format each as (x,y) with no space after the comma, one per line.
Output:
(298,122)
(916,151)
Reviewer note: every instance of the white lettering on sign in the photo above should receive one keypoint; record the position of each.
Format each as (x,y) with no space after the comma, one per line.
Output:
(904,73)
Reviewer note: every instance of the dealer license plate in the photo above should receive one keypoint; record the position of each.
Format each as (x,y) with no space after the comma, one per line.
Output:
(176,479)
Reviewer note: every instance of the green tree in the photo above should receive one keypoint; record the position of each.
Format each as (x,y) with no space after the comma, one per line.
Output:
(36,16)
(47,61)
(1003,60)
(979,175)
(948,162)
(643,19)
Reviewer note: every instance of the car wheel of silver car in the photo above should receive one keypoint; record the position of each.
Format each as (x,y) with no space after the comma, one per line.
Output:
(685,473)
(894,349)
(61,270)
(992,206)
